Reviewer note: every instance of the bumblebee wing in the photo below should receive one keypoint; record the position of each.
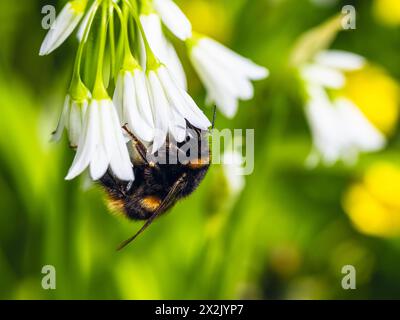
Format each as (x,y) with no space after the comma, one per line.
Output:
(163,206)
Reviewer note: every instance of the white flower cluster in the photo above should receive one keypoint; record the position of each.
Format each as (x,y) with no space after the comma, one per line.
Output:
(340,129)
(150,94)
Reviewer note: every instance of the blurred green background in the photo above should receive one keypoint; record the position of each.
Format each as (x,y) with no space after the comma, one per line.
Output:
(286,235)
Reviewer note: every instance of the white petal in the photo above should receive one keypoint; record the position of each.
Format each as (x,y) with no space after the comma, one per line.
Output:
(241,64)
(174,18)
(113,142)
(325,76)
(99,163)
(63,122)
(132,115)
(120,161)
(177,126)
(175,66)
(340,60)
(88,141)
(143,99)
(364,136)
(160,108)
(62,27)
(181,101)
(118,97)
(234,82)
(224,99)
(328,135)
(76,121)
(152,28)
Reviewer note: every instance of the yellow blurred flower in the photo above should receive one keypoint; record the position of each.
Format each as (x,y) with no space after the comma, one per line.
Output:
(209,18)
(376,94)
(373,204)
(387,11)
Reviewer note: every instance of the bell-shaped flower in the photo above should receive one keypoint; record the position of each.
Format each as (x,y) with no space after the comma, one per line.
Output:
(102,144)
(63,26)
(339,129)
(132,101)
(71,119)
(172,107)
(226,75)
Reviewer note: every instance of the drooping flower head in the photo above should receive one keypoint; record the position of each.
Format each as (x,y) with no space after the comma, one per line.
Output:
(340,129)
(133,61)
(226,75)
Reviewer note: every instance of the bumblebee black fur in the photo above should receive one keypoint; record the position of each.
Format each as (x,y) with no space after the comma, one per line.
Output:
(153,182)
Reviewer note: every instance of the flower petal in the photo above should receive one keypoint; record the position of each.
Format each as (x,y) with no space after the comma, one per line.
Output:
(152,28)
(342,60)
(174,18)
(142,97)
(181,101)
(63,122)
(132,115)
(175,66)
(99,163)
(325,76)
(76,117)
(113,142)
(61,29)
(230,58)
(363,135)
(87,143)
(160,106)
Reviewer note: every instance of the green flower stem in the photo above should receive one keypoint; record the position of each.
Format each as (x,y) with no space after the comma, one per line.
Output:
(78,90)
(99,90)
(112,38)
(152,63)
(129,62)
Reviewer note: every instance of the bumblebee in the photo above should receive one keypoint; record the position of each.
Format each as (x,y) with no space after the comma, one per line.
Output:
(160,180)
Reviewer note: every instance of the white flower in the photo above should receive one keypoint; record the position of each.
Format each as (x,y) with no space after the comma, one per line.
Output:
(340,130)
(131,99)
(172,106)
(102,144)
(174,18)
(72,120)
(226,75)
(328,66)
(63,26)
(162,48)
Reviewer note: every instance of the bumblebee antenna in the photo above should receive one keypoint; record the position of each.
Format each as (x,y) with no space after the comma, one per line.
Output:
(166,202)
(214,116)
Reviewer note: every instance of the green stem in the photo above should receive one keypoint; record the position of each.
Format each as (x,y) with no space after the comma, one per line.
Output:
(112,39)
(76,88)
(99,91)
(152,62)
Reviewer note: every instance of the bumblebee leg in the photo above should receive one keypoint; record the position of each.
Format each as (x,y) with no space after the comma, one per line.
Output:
(139,146)
(214,117)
